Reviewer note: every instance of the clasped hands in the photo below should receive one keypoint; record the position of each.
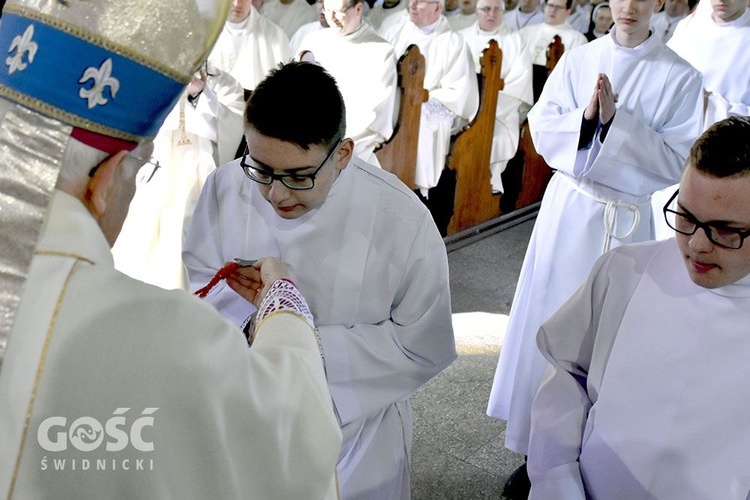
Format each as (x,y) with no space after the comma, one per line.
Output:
(602,104)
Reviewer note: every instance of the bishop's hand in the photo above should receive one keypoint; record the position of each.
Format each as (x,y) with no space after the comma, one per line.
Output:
(197,83)
(253,282)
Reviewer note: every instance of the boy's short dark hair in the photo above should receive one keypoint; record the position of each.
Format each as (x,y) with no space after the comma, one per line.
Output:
(724,149)
(298,102)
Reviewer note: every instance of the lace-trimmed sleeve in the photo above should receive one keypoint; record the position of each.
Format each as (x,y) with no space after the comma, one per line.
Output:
(283,295)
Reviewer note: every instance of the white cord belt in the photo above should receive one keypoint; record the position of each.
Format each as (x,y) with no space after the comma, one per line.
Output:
(610,214)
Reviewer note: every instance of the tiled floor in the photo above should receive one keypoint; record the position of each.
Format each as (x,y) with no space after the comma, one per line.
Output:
(458,451)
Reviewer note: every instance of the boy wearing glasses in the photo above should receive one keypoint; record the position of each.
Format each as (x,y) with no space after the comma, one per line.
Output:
(646,395)
(366,253)
(616,120)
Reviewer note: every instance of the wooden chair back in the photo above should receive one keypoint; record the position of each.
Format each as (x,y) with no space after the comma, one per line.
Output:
(554,53)
(536,172)
(398,155)
(470,151)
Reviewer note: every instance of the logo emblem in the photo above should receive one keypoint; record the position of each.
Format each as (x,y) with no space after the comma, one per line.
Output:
(23,45)
(102,78)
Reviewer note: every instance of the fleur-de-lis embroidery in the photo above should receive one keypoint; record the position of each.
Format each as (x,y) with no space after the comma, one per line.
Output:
(23,45)
(102,78)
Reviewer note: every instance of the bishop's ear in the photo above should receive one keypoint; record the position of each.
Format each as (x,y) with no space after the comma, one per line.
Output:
(101,183)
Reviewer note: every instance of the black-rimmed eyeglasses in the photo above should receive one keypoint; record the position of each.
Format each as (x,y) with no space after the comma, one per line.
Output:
(292,181)
(717,233)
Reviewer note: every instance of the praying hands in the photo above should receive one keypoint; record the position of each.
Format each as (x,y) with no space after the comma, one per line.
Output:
(602,104)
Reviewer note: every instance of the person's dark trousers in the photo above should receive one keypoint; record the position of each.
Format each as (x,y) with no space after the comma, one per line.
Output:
(440,200)
(512,181)
(518,485)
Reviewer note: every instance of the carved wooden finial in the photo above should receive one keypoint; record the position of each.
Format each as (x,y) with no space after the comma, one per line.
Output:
(554,53)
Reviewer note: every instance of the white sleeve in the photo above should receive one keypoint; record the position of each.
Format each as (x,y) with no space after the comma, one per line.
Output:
(458,89)
(577,341)
(634,158)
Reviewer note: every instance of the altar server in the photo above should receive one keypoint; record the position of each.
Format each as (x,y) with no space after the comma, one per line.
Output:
(367,254)
(645,396)
(616,119)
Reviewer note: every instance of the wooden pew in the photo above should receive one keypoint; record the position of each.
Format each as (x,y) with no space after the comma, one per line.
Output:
(470,151)
(554,53)
(398,155)
(536,172)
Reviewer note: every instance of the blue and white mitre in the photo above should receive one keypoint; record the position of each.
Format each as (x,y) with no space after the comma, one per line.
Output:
(105,72)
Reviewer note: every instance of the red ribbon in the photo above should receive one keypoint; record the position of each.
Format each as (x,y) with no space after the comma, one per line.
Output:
(221,274)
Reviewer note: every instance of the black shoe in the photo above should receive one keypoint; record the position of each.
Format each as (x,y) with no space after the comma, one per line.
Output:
(517,486)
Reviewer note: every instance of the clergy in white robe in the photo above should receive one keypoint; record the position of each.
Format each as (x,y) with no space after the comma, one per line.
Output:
(397,17)
(249,47)
(539,36)
(466,17)
(364,66)
(378,13)
(516,75)
(198,135)
(304,30)
(450,80)
(289,15)
(302,33)
(160,395)
(461,21)
(715,43)
(580,17)
(528,13)
(366,253)
(645,395)
(600,195)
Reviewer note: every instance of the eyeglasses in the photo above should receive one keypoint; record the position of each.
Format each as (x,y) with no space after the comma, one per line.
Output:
(212,71)
(487,10)
(716,232)
(145,161)
(292,181)
(151,161)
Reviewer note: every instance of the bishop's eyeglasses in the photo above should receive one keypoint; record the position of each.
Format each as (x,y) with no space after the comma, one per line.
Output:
(297,182)
(718,233)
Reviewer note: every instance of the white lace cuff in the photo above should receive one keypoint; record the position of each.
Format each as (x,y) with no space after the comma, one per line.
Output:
(283,295)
